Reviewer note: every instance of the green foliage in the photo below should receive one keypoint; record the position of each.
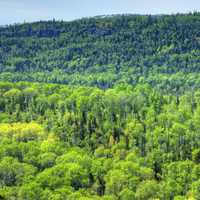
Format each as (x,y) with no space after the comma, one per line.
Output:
(160,50)
(85,143)
(126,124)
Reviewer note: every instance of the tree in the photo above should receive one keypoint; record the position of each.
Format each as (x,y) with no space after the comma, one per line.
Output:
(147,190)
(30,191)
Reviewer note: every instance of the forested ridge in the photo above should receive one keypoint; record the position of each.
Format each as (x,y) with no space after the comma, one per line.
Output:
(104,51)
(101,108)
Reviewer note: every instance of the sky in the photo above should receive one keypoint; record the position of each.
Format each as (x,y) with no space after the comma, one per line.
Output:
(19,11)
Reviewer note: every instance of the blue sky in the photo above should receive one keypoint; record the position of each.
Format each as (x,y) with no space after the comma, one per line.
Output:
(17,11)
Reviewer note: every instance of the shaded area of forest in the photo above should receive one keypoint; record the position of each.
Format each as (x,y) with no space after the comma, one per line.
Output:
(105,51)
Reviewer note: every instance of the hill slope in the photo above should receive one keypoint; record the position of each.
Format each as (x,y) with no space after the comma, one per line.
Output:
(130,141)
(103,51)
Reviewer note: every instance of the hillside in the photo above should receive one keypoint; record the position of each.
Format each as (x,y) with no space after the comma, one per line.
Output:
(104,51)
(104,108)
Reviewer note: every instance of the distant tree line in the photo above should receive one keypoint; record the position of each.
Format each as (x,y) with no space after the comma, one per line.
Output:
(102,51)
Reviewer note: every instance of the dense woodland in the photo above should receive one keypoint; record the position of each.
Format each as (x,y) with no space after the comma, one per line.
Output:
(101,108)
(105,51)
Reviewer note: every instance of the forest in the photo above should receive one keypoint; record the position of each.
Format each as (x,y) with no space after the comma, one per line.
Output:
(101,108)
(105,51)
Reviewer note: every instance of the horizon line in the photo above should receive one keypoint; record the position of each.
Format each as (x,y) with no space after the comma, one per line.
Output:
(99,16)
